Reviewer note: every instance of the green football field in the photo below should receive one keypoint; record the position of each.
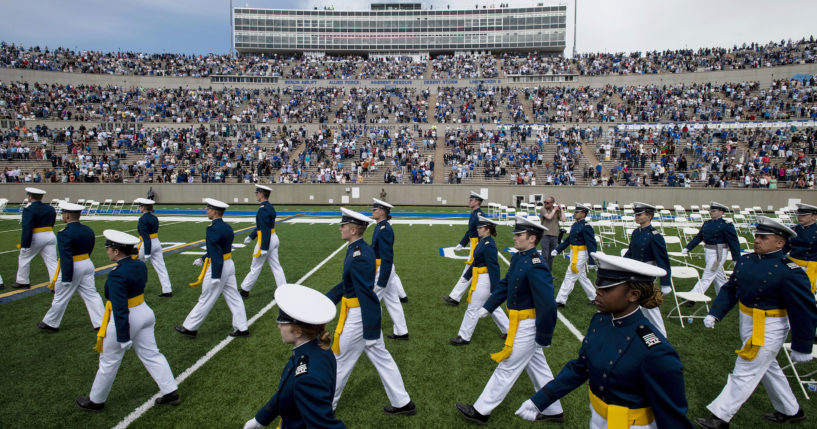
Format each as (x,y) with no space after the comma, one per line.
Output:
(225,381)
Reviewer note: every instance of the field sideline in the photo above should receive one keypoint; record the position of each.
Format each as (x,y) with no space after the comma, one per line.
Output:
(43,373)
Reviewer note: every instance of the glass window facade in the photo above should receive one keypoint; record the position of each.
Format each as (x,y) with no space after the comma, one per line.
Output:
(539,28)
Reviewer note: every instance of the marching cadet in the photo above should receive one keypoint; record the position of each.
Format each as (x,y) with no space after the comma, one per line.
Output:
(75,270)
(719,237)
(471,238)
(484,277)
(358,327)
(266,250)
(133,326)
(150,248)
(804,246)
(582,242)
(217,276)
(304,395)
(37,238)
(635,376)
(387,284)
(648,245)
(774,296)
(528,290)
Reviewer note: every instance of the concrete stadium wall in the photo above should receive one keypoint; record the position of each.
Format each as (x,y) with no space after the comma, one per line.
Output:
(426,195)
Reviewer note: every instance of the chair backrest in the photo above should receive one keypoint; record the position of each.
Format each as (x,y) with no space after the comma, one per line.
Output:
(684,273)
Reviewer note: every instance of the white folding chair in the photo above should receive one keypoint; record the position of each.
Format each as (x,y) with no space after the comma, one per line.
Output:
(134,207)
(793,365)
(117,208)
(3,203)
(671,240)
(106,205)
(93,208)
(694,297)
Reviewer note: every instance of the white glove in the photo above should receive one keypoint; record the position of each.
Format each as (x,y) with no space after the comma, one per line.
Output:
(371,343)
(198,262)
(482,312)
(684,251)
(458,248)
(125,346)
(666,290)
(528,411)
(248,240)
(253,424)
(800,357)
(147,258)
(553,253)
(263,253)
(592,267)
(709,321)
(378,290)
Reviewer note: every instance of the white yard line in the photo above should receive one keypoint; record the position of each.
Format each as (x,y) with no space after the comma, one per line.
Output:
(142,409)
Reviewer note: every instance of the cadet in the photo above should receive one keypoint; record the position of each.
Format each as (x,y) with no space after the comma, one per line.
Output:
(528,290)
(804,246)
(773,294)
(304,395)
(719,237)
(76,271)
(217,276)
(387,284)
(37,238)
(358,327)
(133,326)
(484,277)
(648,245)
(634,374)
(474,202)
(150,248)
(267,247)
(582,242)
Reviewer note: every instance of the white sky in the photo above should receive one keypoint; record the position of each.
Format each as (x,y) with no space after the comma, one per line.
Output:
(202,26)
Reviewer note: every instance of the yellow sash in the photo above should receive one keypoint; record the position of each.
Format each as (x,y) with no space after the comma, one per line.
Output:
(474,242)
(811,271)
(515,317)
(758,338)
(204,268)
(103,328)
(258,250)
(139,245)
(81,257)
(377,263)
(619,417)
(43,229)
(475,272)
(574,256)
(56,276)
(345,305)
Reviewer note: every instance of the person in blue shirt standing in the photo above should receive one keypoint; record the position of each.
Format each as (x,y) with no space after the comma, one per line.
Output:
(804,246)
(267,248)
(133,326)
(484,276)
(387,284)
(37,238)
(582,242)
(648,245)
(470,238)
(217,276)
(150,248)
(719,239)
(304,395)
(75,271)
(528,290)
(774,297)
(358,327)
(634,374)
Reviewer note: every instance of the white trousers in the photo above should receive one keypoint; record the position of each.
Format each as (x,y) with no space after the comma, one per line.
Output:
(83,283)
(714,270)
(352,345)
(142,321)
(471,316)
(258,263)
(210,290)
(599,422)
(44,244)
(654,316)
(570,280)
(390,297)
(526,355)
(157,259)
(462,285)
(762,369)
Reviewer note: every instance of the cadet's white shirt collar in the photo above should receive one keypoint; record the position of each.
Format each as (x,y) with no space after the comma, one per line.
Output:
(624,317)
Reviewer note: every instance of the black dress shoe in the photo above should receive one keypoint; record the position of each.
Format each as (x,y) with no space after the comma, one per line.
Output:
(244,294)
(186,332)
(171,398)
(166,294)
(712,422)
(21,286)
(469,413)
(406,410)
(86,404)
(560,305)
(397,337)
(47,328)
(238,333)
(459,341)
(3,286)
(779,417)
(556,418)
(503,337)
(450,301)
(404,299)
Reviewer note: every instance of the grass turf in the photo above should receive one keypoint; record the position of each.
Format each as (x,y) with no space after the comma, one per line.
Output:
(45,372)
